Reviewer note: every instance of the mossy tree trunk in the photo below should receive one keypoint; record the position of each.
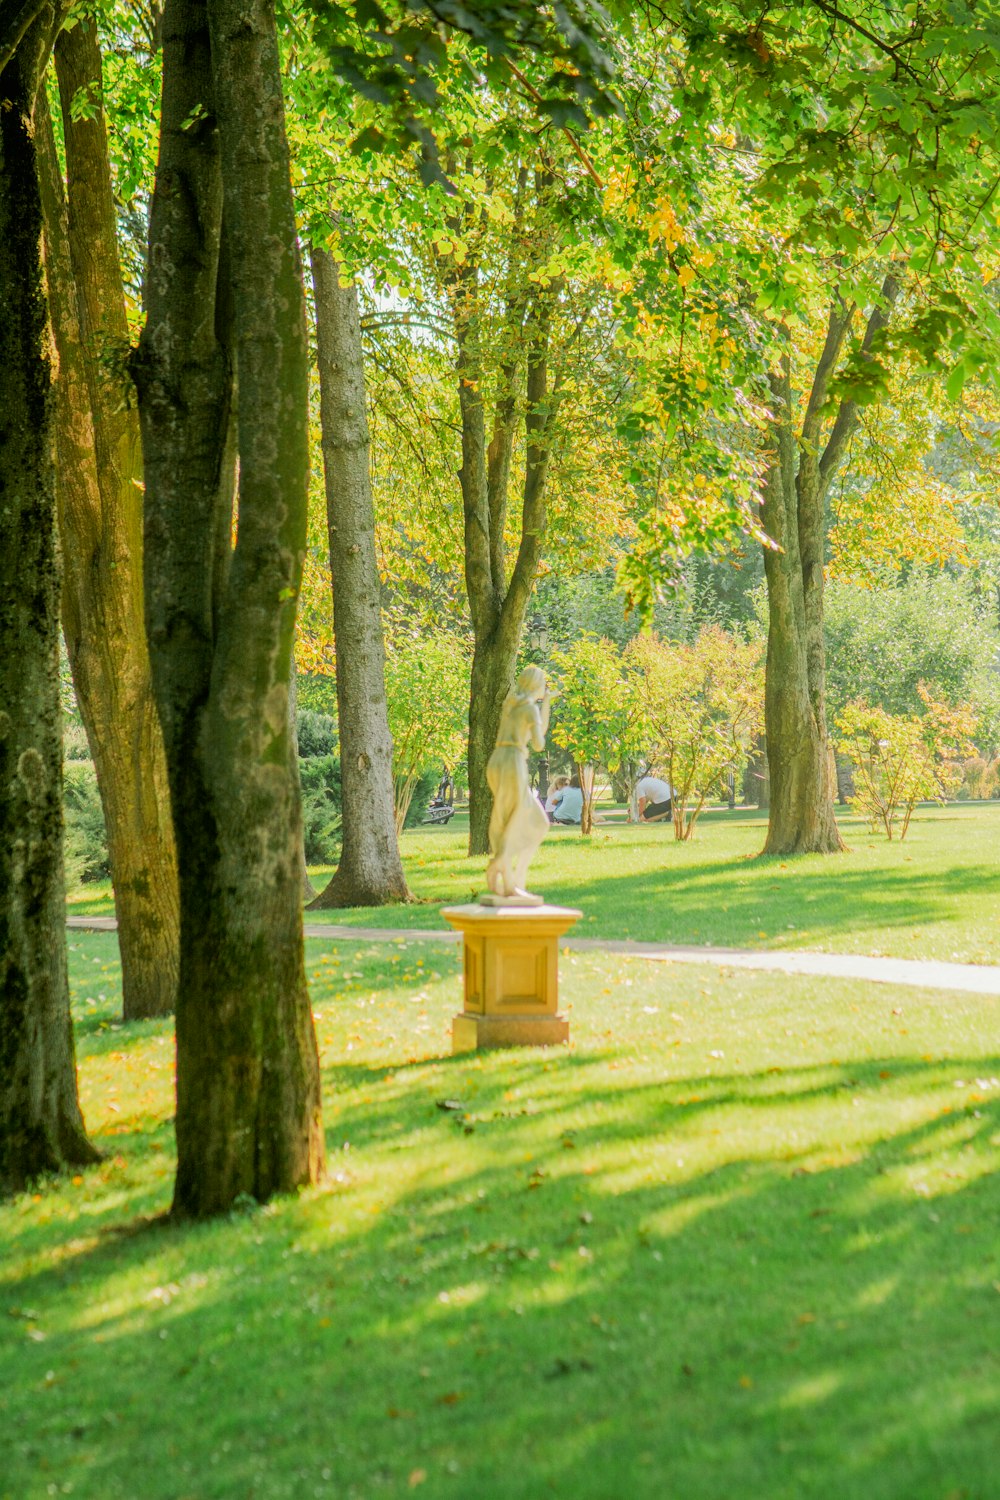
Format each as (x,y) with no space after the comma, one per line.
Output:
(41,1127)
(370,872)
(225,307)
(802,786)
(99,490)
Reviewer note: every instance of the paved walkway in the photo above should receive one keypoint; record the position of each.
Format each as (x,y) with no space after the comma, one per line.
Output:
(979,979)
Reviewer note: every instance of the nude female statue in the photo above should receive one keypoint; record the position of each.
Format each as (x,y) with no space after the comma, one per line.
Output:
(518,822)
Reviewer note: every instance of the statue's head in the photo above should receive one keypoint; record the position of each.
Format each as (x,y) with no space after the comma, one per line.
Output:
(531,683)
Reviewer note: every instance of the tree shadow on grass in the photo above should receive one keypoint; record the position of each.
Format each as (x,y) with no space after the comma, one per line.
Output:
(551,1305)
(716,902)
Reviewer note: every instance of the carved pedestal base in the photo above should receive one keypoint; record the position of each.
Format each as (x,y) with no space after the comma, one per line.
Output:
(510,961)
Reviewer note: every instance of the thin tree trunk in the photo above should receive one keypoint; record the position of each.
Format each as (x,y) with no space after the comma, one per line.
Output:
(221,627)
(370,872)
(497,606)
(586,775)
(799,752)
(801,818)
(99,489)
(494,660)
(41,1127)
(305,882)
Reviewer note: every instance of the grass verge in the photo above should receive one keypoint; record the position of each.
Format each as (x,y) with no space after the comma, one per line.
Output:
(738,1239)
(934,896)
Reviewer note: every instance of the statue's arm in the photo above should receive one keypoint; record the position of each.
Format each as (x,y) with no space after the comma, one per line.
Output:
(544,709)
(539,724)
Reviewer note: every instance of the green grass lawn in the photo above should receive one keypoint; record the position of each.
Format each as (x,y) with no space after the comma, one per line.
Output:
(739,1240)
(934,896)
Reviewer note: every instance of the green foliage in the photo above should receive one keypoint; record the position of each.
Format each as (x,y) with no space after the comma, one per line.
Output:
(86,844)
(980,779)
(321,808)
(317,733)
(423,790)
(75,743)
(594,715)
(317,693)
(395,56)
(427,695)
(900,761)
(700,705)
(930,627)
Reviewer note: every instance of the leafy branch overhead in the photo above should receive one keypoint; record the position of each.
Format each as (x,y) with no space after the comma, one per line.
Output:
(396,56)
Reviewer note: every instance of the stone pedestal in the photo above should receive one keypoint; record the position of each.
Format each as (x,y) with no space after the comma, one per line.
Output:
(510,962)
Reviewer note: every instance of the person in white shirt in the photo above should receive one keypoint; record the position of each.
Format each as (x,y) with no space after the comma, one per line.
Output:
(655,799)
(568,806)
(553,797)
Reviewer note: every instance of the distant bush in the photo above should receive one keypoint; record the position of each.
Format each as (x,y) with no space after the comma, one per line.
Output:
(321,808)
(900,760)
(980,779)
(423,791)
(75,746)
(317,733)
(86,847)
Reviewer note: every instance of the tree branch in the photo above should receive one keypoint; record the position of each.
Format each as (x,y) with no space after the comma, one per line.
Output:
(847,416)
(871,36)
(16,17)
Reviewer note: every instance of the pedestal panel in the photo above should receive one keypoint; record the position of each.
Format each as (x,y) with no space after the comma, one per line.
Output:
(511,975)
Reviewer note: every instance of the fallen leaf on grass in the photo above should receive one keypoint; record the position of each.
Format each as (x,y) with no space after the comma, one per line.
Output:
(417,1476)
(450,1398)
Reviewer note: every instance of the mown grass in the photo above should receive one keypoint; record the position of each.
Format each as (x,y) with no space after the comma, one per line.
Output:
(934,896)
(738,1240)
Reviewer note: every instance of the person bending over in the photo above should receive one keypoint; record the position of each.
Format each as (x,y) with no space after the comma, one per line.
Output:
(655,799)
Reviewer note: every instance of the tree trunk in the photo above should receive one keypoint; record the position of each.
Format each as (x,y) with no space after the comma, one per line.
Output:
(587,776)
(221,621)
(41,1127)
(801,818)
(308,890)
(799,753)
(494,659)
(370,872)
(497,606)
(99,489)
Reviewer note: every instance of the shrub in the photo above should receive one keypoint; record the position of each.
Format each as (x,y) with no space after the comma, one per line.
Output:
(902,760)
(423,791)
(702,709)
(86,846)
(427,696)
(321,808)
(75,746)
(980,779)
(596,717)
(316,732)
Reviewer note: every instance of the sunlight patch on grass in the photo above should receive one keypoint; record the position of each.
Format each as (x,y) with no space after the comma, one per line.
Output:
(783,1313)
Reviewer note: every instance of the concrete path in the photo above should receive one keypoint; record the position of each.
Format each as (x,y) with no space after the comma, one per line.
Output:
(979,979)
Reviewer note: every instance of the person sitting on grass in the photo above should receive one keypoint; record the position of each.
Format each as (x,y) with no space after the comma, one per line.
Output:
(568,805)
(557,786)
(655,799)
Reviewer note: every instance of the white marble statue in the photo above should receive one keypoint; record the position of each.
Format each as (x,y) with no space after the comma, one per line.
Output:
(518,822)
